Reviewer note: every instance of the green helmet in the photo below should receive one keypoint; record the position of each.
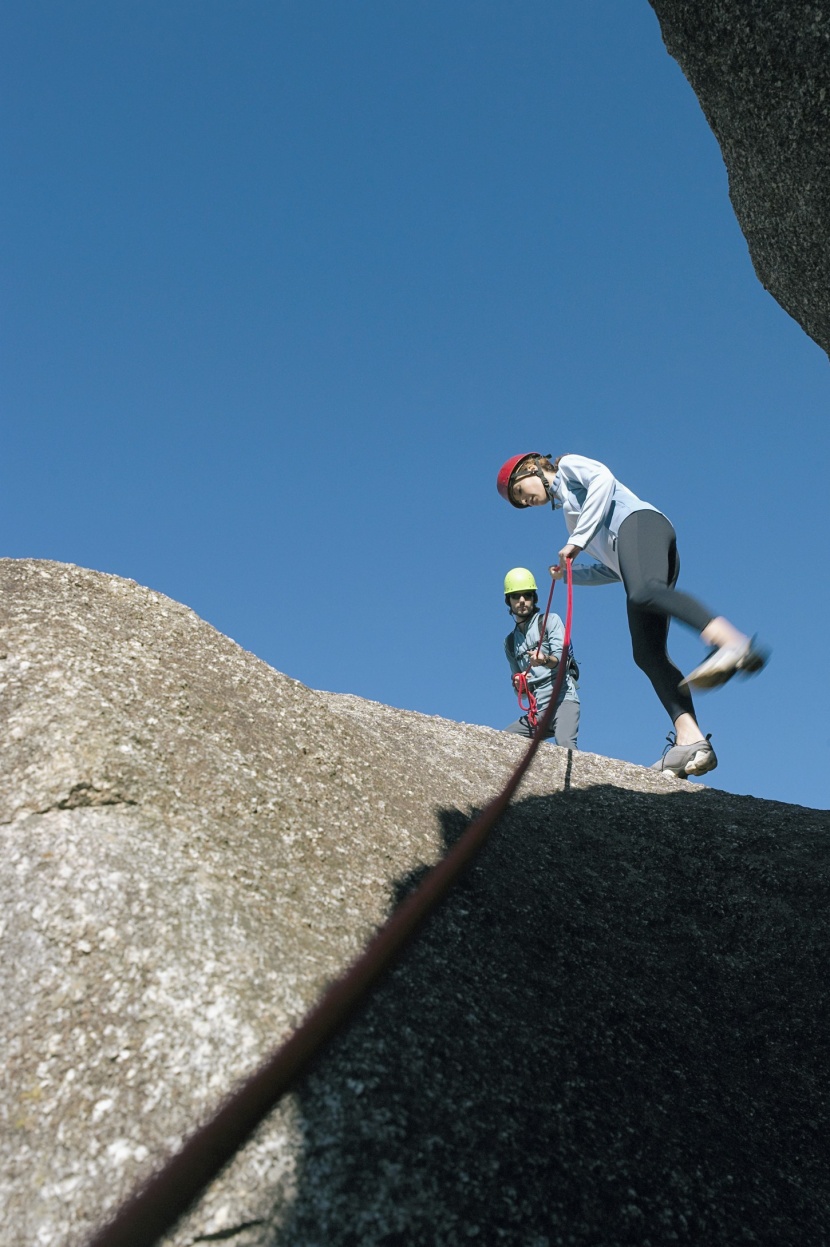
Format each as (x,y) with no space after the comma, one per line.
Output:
(519,580)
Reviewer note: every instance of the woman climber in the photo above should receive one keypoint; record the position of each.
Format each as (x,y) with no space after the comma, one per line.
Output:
(635,543)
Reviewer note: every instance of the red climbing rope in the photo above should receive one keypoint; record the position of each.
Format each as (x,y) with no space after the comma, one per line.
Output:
(547,612)
(157,1206)
(525,693)
(563,660)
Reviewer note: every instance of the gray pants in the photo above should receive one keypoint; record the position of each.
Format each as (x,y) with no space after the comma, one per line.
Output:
(563,727)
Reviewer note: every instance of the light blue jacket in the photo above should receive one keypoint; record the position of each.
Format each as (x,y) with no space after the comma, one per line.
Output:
(594,504)
(519,646)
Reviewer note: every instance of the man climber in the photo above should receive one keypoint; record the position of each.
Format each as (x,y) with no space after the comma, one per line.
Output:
(537,658)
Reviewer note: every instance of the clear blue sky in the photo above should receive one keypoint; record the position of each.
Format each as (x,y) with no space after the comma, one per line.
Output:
(284,281)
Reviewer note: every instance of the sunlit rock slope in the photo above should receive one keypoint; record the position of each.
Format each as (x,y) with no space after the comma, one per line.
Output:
(761,72)
(614,1032)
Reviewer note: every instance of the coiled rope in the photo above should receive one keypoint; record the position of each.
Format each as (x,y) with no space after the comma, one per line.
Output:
(156,1206)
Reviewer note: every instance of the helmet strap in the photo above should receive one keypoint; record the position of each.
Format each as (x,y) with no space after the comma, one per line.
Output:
(549,493)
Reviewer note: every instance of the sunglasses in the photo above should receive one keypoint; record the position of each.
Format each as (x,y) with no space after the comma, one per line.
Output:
(529,595)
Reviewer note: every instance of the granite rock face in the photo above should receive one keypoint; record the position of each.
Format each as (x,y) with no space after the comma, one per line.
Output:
(614,1031)
(761,71)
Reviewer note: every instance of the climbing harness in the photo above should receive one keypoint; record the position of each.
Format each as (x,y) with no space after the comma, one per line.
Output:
(154,1208)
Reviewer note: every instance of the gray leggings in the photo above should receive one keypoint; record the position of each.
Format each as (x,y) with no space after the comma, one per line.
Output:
(649,566)
(563,728)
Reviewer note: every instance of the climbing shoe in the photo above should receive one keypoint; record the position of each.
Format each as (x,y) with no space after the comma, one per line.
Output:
(685,760)
(746,657)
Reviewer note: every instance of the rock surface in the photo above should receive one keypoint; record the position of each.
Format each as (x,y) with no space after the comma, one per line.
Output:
(615,1030)
(761,72)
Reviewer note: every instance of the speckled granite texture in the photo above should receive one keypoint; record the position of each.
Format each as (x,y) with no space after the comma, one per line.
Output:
(614,1032)
(761,71)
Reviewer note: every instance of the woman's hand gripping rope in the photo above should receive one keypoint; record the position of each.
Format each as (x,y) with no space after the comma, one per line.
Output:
(566,556)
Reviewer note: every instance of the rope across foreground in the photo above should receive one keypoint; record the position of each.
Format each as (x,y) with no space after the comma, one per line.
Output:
(156,1206)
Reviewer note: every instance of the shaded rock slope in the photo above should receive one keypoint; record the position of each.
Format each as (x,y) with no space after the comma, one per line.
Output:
(614,1032)
(761,71)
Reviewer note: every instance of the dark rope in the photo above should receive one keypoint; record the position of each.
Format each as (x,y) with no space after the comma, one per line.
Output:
(155,1208)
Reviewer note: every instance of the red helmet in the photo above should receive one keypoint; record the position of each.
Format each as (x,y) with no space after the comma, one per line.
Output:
(506,472)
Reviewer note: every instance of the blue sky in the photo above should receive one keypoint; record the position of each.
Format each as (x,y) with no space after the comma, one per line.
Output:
(285,281)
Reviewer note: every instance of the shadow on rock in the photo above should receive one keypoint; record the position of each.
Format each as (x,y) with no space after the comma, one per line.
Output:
(614,1032)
